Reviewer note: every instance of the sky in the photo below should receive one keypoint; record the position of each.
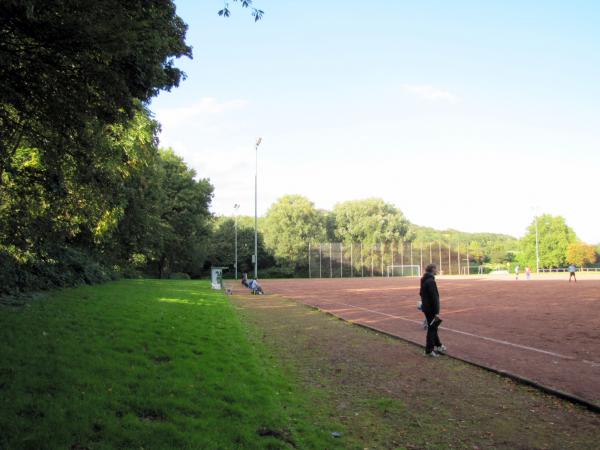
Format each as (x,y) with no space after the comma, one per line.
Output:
(468,115)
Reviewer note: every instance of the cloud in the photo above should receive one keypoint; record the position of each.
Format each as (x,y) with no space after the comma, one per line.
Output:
(203,108)
(428,92)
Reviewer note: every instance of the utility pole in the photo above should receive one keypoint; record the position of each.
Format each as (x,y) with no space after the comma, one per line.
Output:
(258,141)
(236,207)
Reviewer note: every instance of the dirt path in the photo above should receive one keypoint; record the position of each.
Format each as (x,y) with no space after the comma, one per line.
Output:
(386,394)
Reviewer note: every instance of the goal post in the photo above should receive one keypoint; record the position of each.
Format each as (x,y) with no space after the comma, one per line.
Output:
(404,270)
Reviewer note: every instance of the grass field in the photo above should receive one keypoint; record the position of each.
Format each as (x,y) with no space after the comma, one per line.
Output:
(141,364)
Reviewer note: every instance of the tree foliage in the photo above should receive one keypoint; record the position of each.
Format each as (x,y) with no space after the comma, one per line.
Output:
(256,13)
(290,223)
(184,217)
(581,254)
(83,186)
(554,237)
(222,248)
(370,221)
(70,68)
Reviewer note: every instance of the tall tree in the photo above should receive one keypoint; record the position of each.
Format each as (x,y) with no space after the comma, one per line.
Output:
(370,221)
(185,218)
(290,224)
(67,64)
(554,237)
(222,244)
(581,254)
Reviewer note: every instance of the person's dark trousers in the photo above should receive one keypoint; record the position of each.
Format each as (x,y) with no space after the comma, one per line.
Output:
(432,335)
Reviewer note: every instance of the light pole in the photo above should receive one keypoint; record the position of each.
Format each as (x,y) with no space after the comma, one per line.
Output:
(258,141)
(537,240)
(537,248)
(236,207)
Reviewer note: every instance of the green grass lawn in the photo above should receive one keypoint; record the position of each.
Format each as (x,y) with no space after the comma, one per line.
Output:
(142,364)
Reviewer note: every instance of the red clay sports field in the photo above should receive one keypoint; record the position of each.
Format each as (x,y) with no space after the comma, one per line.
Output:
(543,330)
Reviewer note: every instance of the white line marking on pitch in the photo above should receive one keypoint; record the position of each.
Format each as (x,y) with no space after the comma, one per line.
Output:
(497,341)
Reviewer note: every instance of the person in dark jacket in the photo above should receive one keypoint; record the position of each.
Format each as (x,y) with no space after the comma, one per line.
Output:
(430,299)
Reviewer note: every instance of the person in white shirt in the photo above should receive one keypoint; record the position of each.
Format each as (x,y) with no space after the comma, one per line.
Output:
(255,287)
(572,273)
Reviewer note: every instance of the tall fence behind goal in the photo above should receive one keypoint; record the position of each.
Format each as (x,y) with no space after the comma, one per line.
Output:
(339,260)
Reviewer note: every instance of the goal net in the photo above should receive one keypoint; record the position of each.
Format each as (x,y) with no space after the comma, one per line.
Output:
(403,270)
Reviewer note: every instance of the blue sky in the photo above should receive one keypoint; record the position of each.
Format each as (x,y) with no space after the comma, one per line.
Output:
(464,115)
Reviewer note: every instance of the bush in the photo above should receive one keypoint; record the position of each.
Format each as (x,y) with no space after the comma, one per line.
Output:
(69,267)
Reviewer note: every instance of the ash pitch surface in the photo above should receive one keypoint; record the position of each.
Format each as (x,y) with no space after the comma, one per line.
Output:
(545,330)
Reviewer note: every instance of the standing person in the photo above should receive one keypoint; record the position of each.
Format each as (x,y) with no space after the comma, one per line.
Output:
(245,279)
(572,273)
(517,268)
(527,272)
(430,299)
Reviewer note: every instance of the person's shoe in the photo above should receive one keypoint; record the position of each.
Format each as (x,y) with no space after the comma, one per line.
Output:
(441,349)
(432,354)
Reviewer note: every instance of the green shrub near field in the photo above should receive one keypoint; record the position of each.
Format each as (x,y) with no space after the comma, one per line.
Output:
(141,364)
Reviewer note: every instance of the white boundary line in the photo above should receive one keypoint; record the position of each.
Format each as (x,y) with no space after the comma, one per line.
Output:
(485,338)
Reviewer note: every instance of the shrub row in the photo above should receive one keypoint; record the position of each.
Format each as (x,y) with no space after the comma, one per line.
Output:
(70,267)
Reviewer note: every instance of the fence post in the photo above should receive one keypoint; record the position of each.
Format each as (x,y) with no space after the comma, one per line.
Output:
(351,262)
(362,267)
(440,250)
(309,260)
(392,250)
(330,262)
(341,260)
(449,258)
(458,255)
(320,259)
(401,260)
(430,254)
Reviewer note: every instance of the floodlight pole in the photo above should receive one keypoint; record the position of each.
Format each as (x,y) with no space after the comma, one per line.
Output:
(258,141)
(236,207)
(537,248)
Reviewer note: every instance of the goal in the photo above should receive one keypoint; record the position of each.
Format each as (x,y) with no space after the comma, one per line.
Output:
(403,270)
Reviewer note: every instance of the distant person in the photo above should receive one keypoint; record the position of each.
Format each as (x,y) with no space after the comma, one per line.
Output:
(430,301)
(527,272)
(572,273)
(245,279)
(255,287)
(517,268)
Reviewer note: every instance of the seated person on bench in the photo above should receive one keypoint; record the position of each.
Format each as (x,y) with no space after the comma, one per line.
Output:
(255,287)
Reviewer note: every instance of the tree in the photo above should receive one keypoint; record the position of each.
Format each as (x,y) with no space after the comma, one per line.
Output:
(184,219)
(67,64)
(370,221)
(290,224)
(222,244)
(554,237)
(581,254)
